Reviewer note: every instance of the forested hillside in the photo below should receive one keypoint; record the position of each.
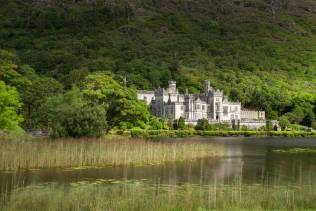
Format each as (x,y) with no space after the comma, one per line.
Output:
(261,52)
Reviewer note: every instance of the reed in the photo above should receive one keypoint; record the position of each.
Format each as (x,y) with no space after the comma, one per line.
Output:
(13,136)
(98,153)
(137,195)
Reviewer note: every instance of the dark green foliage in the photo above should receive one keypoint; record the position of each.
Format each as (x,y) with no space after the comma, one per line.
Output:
(156,124)
(266,61)
(303,111)
(70,115)
(9,71)
(34,96)
(32,88)
(202,124)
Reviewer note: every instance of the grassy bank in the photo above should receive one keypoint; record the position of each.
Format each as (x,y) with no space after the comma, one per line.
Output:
(137,195)
(222,133)
(97,153)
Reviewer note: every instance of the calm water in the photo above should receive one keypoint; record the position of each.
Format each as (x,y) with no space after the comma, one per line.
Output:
(250,160)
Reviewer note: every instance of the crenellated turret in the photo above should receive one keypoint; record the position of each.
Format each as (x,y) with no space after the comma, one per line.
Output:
(172,87)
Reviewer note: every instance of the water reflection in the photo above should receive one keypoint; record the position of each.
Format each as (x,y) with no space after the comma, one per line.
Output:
(246,161)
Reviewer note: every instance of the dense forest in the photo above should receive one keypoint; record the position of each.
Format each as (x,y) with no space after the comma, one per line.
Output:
(56,55)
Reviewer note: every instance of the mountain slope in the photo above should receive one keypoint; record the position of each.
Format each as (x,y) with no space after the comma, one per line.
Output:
(261,52)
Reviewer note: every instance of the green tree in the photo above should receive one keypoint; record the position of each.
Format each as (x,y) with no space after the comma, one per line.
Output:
(34,96)
(70,115)
(120,102)
(9,71)
(284,122)
(9,106)
(181,123)
(273,115)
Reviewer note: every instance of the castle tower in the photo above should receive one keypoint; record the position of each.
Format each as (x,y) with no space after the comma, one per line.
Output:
(217,105)
(207,87)
(172,87)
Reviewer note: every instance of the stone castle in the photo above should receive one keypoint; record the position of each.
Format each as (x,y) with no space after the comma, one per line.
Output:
(212,105)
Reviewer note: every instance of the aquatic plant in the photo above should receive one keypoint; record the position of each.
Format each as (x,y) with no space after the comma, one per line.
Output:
(139,195)
(98,153)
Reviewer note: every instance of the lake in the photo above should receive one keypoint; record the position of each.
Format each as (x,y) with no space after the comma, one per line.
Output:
(251,159)
(248,161)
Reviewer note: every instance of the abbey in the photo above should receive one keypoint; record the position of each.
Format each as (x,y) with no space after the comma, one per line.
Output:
(211,104)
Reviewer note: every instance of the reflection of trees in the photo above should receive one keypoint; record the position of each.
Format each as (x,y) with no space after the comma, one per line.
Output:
(268,168)
(282,168)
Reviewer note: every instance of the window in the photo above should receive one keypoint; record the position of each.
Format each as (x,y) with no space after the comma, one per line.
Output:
(198,106)
(203,107)
(225,110)
(217,106)
(182,108)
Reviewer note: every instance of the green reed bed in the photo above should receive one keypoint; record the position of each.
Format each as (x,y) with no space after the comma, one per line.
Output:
(98,153)
(138,195)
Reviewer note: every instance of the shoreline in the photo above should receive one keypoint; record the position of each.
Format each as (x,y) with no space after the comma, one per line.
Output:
(149,134)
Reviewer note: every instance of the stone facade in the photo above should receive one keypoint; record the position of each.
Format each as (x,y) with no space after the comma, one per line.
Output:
(146,96)
(211,104)
(252,115)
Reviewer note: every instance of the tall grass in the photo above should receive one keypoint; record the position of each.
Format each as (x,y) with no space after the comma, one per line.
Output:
(141,196)
(13,136)
(98,153)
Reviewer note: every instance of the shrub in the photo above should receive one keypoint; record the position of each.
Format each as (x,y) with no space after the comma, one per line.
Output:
(284,122)
(137,133)
(202,124)
(181,123)
(70,115)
